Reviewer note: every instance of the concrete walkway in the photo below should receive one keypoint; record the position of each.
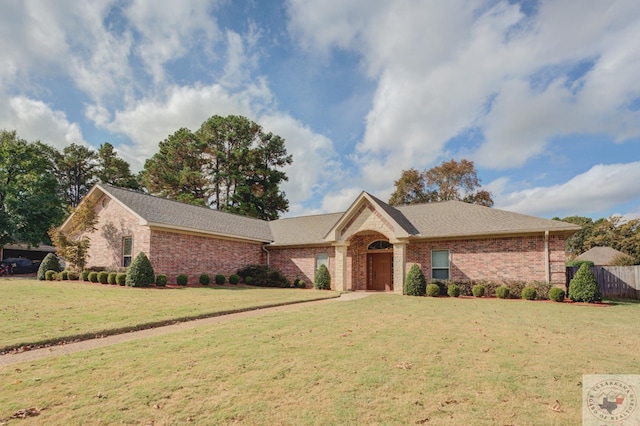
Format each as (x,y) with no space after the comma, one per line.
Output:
(86,345)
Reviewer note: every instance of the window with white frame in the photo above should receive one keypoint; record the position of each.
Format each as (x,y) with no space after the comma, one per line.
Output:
(440,264)
(127,250)
(322,259)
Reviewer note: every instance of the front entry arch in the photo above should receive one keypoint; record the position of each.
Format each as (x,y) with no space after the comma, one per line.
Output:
(380,271)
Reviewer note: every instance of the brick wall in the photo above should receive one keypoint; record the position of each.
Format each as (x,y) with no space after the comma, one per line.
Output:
(115,223)
(300,262)
(176,253)
(509,258)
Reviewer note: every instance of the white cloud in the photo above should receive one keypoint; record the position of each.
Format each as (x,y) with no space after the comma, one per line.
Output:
(34,120)
(445,67)
(596,190)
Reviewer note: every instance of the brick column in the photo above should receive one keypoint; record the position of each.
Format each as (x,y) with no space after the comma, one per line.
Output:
(399,262)
(340,279)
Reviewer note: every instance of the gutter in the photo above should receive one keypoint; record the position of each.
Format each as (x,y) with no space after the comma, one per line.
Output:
(547,260)
(264,248)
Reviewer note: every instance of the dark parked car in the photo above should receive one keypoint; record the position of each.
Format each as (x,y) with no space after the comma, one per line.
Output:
(21,265)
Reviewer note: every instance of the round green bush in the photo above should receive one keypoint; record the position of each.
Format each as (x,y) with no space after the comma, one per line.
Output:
(49,263)
(556,294)
(584,286)
(234,279)
(73,276)
(322,279)
(415,284)
(51,275)
(93,277)
(478,290)
(453,290)
(182,279)
(121,278)
(161,280)
(85,275)
(111,279)
(220,279)
(502,292)
(140,272)
(204,279)
(298,283)
(103,277)
(64,275)
(433,290)
(529,293)
(248,280)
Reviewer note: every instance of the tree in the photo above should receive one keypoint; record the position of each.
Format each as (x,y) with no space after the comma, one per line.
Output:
(29,205)
(74,244)
(49,263)
(229,164)
(451,180)
(140,273)
(322,279)
(114,170)
(76,170)
(584,286)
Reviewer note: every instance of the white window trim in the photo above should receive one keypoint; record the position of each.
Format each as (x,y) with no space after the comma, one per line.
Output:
(448,268)
(317,265)
(124,256)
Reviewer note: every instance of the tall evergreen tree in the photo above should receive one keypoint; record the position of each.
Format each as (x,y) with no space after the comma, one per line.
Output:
(76,172)
(29,205)
(114,170)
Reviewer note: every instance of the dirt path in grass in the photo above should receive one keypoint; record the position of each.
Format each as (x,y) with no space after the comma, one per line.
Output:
(36,354)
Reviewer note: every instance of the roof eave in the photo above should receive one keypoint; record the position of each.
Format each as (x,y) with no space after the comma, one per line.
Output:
(163,226)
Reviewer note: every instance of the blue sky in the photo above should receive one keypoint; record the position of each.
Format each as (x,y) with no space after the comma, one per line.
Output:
(543,96)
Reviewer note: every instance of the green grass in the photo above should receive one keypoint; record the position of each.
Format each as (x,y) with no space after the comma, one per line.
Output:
(40,311)
(385,359)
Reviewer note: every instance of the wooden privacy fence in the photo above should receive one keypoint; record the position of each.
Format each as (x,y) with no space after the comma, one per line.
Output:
(614,281)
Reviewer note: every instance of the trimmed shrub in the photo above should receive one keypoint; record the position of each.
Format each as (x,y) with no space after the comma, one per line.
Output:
(415,284)
(85,275)
(140,273)
(121,278)
(234,279)
(204,279)
(584,286)
(542,289)
(442,285)
(111,279)
(433,290)
(257,272)
(556,294)
(263,276)
(49,263)
(161,280)
(478,290)
(248,280)
(529,293)
(453,290)
(103,277)
(51,275)
(579,263)
(322,279)
(73,276)
(182,279)
(220,279)
(64,275)
(298,283)
(93,277)
(502,292)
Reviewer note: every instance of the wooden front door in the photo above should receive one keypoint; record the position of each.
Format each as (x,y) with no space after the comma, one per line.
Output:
(379,271)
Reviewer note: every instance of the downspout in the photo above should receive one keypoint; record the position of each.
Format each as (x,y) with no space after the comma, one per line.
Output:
(547,260)
(264,247)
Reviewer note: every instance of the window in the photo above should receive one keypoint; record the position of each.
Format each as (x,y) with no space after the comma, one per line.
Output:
(322,259)
(440,264)
(380,245)
(127,249)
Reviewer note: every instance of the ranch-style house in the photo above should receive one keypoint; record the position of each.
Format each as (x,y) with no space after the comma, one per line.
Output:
(370,246)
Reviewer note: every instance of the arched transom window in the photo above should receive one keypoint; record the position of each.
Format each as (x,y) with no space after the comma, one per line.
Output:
(380,245)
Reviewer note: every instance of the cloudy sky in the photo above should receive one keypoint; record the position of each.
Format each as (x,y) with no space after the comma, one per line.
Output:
(544,96)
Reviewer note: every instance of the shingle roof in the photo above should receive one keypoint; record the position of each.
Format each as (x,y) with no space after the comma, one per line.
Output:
(449,219)
(458,219)
(173,214)
(303,230)
(600,256)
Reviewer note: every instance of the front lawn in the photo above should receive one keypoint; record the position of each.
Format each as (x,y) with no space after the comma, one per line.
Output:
(38,311)
(385,359)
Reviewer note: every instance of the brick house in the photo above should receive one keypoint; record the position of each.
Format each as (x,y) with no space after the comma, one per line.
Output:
(370,246)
